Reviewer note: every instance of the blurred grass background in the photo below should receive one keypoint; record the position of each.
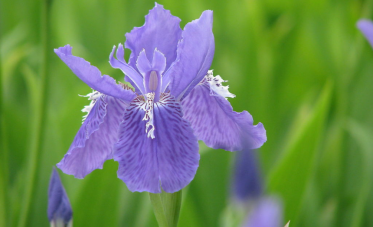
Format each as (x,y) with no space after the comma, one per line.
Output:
(299,67)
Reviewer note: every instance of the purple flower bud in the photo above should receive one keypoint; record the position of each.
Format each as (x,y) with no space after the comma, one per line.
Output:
(247,183)
(366,27)
(59,208)
(267,213)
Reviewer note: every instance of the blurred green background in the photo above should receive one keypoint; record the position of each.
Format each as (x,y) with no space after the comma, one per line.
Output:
(300,67)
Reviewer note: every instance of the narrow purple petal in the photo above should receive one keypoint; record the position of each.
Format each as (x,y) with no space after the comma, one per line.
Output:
(92,76)
(161,30)
(120,53)
(214,121)
(267,213)
(247,182)
(143,64)
(93,144)
(366,27)
(170,159)
(159,62)
(194,56)
(59,208)
(136,78)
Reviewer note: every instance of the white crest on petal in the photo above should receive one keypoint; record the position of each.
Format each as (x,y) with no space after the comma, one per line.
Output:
(93,96)
(148,107)
(216,86)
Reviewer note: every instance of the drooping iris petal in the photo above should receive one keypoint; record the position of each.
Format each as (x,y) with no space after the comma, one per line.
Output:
(170,159)
(93,144)
(366,27)
(194,56)
(136,78)
(177,146)
(59,208)
(161,31)
(214,121)
(267,213)
(92,76)
(247,182)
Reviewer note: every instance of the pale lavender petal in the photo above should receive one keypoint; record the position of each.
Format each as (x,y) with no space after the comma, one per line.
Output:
(170,159)
(136,78)
(92,76)
(120,57)
(143,64)
(59,208)
(94,142)
(161,30)
(194,56)
(214,121)
(120,53)
(366,27)
(267,213)
(159,61)
(247,182)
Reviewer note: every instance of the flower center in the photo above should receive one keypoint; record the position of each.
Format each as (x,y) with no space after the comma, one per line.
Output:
(148,108)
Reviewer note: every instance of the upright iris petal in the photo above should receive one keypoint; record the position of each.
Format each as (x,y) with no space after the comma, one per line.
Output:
(153,131)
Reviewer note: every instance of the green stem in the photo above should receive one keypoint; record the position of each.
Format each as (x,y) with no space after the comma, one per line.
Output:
(166,208)
(38,127)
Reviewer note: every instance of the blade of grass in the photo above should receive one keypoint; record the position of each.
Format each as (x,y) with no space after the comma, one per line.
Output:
(290,177)
(39,117)
(364,139)
(3,155)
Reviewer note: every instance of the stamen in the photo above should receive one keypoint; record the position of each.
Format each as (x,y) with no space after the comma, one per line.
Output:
(216,87)
(148,108)
(153,81)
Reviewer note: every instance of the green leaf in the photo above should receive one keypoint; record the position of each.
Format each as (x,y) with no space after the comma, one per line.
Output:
(292,173)
(363,137)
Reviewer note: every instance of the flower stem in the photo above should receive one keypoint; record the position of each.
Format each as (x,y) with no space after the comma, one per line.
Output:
(166,208)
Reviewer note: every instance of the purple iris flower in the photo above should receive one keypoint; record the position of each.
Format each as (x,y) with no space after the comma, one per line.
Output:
(247,182)
(366,27)
(266,213)
(152,131)
(59,208)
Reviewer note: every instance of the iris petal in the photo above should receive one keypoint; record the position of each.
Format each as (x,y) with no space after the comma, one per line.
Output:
(214,121)
(161,31)
(92,76)
(170,159)
(194,56)
(93,144)
(143,64)
(136,78)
